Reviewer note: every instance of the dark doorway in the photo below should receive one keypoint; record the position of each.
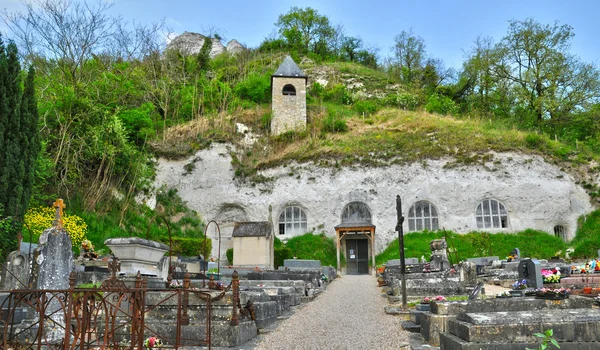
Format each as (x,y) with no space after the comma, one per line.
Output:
(357,256)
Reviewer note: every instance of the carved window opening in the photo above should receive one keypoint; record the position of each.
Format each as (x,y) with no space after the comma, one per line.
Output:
(356,213)
(491,214)
(561,232)
(289,90)
(422,216)
(292,221)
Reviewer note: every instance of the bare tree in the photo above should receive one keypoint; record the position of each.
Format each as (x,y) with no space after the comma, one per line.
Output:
(63,31)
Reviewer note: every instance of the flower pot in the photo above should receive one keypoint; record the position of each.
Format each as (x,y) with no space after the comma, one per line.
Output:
(380,269)
(381,283)
(587,290)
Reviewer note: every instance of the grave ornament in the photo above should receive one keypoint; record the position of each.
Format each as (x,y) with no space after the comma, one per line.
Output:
(439,256)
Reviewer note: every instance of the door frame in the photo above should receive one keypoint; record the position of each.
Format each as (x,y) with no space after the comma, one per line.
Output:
(343,232)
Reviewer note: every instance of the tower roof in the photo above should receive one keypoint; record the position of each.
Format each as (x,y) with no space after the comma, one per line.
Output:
(289,69)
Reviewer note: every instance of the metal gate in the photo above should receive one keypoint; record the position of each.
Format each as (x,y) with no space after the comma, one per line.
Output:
(112,316)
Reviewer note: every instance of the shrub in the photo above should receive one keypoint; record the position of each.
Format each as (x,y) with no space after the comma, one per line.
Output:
(334,122)
(441,104)
(187,246)
(229,254)
(407,101)
(256,88)
(365,107)
(338,94)
(316,90)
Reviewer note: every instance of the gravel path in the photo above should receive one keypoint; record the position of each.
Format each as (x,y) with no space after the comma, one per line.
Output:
(348,315)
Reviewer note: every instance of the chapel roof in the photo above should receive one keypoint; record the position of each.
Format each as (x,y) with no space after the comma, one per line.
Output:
(289,68)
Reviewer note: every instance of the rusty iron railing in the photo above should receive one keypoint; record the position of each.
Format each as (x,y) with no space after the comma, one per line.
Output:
(113,316)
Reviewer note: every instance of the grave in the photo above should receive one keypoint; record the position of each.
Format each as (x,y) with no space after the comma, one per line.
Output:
(54,263)
(16,272)
(301,264)
(439,256)
(137,254)
(531,271)
(438,320)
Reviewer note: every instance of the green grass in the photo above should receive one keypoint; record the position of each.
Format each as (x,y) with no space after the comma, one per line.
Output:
(531,243)
(587,240)
(314,247)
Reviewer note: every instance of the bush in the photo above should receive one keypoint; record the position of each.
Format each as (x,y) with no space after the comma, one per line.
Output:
(187,246)
(256,88)
(587,240)
(316,90)
(441,104)
(365,107)
(334,122)
(338,94)
(229,254)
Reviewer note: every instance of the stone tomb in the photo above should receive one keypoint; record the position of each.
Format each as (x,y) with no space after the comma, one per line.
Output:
(531,271)
(438,320)
(137,254)
(16,272)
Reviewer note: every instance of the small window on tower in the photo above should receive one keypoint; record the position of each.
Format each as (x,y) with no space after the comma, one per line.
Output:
(289,90)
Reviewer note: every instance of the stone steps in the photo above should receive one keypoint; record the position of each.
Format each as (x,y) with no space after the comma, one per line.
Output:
(577,328)
(411,326)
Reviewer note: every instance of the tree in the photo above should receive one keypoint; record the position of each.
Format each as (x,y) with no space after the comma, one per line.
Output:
(19,137)
(547,79)
(305,29)
(350,47)
(409,51)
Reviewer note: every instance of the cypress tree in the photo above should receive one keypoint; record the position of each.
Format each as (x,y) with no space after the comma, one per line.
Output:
(30,139)
(19,144)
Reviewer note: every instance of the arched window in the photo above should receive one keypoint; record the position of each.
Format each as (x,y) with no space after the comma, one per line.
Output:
(356,213)
(289,90)
(292,221)
(491,214)
(561,232)
(422,216)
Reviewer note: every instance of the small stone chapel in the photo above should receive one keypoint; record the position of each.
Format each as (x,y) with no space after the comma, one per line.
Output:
(288,90)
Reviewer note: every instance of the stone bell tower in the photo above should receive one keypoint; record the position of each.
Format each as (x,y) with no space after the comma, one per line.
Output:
(288,88)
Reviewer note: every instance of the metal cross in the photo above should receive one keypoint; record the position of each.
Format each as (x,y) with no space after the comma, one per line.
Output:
(59,205)
(114,266)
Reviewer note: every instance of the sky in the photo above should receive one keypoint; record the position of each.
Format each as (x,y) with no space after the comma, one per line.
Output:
(448,28)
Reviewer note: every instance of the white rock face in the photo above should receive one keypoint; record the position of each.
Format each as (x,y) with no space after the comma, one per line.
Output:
(234,46)
(191,44)
(536,194)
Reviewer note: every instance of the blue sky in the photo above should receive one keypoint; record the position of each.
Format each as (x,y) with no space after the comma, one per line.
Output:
(447,27)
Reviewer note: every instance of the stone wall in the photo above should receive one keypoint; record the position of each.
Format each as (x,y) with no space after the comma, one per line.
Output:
(536,194)
(289,112)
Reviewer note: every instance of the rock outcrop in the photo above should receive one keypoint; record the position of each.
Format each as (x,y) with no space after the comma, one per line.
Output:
(191,44)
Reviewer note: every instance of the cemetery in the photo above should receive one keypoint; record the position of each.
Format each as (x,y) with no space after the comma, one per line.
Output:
(49,298)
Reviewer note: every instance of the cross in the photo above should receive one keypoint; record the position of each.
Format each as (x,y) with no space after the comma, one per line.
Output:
(114,266)
(59,205)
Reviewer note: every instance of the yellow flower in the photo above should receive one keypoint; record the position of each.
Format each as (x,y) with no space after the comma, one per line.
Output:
(40,218)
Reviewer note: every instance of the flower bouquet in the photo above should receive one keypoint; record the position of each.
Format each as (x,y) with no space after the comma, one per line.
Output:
(427,300)
(152,343)
(551,276)
(552,294)
(520,285)
(505,294)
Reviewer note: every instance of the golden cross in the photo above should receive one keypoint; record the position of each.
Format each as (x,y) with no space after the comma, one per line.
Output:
(59,205)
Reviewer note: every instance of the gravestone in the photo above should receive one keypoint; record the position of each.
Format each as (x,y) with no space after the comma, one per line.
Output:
(485,261)
(54,259)
(516,253)
(16,272)
(407,261)
(301,264)
(475,292)
(439,256)
(599,253)
(531,271)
